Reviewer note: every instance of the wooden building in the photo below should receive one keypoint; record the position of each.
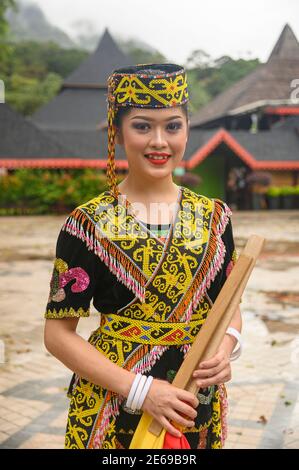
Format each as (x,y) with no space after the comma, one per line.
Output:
(249,129)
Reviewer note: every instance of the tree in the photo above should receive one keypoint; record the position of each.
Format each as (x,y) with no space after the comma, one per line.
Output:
(5,49)
(4,5)
(198,59)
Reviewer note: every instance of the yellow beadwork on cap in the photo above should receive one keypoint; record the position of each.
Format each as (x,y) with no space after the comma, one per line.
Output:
(153,93)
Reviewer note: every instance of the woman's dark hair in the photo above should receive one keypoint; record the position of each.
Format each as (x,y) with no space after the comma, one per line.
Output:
(121,112)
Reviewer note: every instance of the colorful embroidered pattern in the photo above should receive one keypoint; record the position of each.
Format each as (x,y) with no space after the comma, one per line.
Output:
(170,282)
(62,276)
(131,87)
(148,332)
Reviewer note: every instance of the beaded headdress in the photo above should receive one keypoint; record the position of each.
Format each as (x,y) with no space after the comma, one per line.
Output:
(141,86)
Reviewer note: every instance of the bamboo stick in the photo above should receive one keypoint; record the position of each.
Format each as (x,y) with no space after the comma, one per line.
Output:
(213,330)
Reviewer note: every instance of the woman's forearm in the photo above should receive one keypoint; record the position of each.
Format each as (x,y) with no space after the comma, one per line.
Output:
(229,342)
(84,359)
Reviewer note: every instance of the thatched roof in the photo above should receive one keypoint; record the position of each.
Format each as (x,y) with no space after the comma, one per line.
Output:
(268,82)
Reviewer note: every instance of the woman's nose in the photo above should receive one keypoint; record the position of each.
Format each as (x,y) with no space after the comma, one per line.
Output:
(158,138)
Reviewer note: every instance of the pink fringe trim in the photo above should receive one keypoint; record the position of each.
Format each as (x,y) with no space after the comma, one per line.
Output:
(215,266)
(224,413)
(74,227)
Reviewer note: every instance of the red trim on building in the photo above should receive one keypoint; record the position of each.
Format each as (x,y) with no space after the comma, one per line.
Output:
(58,163)
(222,136)
(282,111)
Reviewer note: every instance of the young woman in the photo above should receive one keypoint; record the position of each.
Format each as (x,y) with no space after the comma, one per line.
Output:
(153,256)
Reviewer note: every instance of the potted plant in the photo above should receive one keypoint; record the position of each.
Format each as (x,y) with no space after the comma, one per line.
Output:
(273,196)
(287,195)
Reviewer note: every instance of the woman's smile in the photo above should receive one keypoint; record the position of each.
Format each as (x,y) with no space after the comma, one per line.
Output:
(157,158)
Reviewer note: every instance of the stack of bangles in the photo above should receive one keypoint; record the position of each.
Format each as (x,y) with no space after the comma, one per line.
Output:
(138,392)
(236,334)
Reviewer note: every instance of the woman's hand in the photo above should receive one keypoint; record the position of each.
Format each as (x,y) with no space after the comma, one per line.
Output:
(168,403)
(216,370)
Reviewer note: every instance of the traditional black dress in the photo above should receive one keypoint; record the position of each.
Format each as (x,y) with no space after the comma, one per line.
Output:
(87,267)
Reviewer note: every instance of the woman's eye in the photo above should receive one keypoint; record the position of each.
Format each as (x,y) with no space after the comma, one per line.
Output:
(141,126)
(174,126)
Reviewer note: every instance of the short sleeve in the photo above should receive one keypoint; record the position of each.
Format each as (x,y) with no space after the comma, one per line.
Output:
(73,279)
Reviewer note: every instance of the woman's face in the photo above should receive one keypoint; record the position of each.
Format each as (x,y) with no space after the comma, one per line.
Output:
(154,140)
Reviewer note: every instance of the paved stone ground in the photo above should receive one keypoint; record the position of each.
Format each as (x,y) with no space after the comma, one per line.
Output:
(263,395)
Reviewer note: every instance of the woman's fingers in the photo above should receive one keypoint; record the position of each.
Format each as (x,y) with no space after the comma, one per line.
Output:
(186,410)
(169,427)
(216,380)
(181,420)
(206,373)
(188,398)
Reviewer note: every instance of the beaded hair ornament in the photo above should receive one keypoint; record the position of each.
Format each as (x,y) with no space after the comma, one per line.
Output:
(141,86)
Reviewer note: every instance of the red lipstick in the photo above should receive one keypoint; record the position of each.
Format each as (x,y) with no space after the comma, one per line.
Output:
(164,157)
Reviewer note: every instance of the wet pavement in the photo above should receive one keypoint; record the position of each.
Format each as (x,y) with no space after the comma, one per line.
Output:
(263,394)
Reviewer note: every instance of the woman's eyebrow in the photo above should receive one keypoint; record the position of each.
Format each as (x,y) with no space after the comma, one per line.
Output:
(150,119)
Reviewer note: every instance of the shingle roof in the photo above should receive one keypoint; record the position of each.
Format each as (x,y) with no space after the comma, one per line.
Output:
(270,81)
(265,146)
(21,139)
(73,110)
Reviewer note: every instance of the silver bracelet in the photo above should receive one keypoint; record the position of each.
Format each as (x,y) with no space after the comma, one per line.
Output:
(236,334)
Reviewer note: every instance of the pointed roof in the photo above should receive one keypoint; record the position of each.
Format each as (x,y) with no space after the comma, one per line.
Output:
(268,82)
(287,45)
(81,103)
(96,68)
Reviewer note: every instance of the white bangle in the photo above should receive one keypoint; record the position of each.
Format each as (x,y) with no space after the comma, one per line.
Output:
(138,392)
(133,390)
(236,334)
(144,392)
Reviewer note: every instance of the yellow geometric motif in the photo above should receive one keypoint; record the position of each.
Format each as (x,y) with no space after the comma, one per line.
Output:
(165,91)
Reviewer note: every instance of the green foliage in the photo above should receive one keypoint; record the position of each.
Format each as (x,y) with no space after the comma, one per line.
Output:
(4,48)
(33,73)
(4,5)
(140,54)
(288,190)
(27,94)
(215,76)
(199,96)
(273,191)
(229,72)
(38,59)
(48,191)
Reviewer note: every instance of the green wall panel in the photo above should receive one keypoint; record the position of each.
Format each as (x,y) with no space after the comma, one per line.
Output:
(212,172)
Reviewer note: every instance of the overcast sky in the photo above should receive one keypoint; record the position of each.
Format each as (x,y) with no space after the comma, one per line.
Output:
(177,27)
